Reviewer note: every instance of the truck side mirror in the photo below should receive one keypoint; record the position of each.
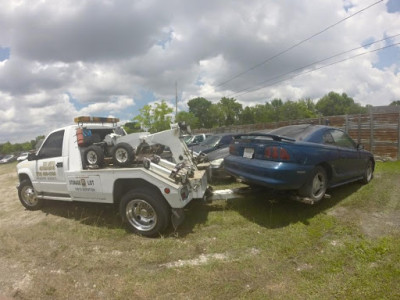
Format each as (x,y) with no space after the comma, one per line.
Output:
(32,156)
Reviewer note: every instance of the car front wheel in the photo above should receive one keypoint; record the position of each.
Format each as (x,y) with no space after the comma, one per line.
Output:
(316,185)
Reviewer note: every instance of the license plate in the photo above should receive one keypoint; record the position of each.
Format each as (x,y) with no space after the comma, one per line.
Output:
(248,152)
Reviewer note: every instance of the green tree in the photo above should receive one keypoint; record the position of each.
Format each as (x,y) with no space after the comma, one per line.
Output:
(189,118)
(230,110)
(301,109)
(145,118)
(199,107)
(216,116)
(131,127)
(247,116)
(7,148)
(395,103)
(263,113)
(336,104)
(155,119)
(307,108)
(275,110)
(162,116)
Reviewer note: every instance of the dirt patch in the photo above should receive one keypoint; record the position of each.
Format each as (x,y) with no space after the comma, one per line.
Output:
(374,225)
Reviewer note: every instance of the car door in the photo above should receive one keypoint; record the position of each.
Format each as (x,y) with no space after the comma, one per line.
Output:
(350,162)
(51,166)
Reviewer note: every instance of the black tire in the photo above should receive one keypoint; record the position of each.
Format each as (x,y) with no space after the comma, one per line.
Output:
(94,156)
(27,196)
(123,155)
(316,184)
(368,173)
(145,212)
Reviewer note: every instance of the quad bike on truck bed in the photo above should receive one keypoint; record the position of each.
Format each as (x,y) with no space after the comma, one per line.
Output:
(96,161)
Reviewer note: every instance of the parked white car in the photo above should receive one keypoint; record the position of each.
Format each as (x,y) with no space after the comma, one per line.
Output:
(22,156)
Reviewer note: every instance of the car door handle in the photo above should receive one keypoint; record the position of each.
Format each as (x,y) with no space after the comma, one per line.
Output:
(59,165)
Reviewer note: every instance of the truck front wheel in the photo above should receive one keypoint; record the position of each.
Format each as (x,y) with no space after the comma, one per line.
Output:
(145,212)
(28,197)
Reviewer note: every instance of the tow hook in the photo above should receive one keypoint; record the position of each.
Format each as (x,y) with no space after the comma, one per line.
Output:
(177,217)
(207,198)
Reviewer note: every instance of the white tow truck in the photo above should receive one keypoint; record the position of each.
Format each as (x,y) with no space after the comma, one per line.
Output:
(96,161)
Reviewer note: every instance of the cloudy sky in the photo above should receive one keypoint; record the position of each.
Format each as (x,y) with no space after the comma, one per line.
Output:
(60,59)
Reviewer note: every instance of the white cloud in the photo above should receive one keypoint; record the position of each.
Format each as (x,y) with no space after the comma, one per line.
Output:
(113,107)
(73,57)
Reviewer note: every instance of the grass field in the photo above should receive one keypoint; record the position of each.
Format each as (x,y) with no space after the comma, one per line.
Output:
(263,246)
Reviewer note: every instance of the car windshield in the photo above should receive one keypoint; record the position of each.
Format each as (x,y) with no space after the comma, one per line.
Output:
(211,141)
(7,157)
(187,138)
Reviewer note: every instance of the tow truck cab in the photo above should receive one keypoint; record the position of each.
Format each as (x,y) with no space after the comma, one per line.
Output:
(151,193)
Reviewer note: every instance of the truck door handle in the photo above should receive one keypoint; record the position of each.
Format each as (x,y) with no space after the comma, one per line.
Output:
(59,165)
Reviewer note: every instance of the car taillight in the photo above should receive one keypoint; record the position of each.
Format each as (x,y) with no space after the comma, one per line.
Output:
(276,153)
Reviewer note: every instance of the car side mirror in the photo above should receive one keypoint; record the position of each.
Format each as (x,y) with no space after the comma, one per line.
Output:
(32,156)
(360,147)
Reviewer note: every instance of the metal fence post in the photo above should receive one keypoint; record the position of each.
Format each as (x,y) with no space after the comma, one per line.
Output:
(371,134)
(398,136)
(359,129)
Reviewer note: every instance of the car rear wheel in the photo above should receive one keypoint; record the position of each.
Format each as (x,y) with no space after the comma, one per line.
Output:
(316,185)
(145,212)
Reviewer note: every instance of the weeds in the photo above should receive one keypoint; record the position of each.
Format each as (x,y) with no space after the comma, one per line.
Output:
(261,246)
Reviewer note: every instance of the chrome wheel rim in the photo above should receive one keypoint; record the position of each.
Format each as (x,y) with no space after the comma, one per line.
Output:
(29,196)
(369,172)
(318,185)
(141,215)
(121,155)
(91,157)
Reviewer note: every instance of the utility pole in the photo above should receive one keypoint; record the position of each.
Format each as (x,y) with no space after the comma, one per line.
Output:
(176,98)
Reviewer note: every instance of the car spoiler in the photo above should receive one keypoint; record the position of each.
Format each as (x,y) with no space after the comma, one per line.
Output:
(272,136)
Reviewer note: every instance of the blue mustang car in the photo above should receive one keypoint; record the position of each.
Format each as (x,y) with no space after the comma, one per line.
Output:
(306,158)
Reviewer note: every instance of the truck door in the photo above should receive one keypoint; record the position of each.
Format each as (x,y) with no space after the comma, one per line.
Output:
(51,165)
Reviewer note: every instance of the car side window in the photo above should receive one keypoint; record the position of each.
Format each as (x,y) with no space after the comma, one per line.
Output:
(198,139)
(327,139)
(52,147)
(342,139)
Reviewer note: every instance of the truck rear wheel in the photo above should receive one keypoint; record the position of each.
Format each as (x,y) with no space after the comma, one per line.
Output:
(145,212)
(27,196)
(94,156)
(123,155)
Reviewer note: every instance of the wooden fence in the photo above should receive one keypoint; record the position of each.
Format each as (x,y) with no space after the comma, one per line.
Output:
(378,132)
